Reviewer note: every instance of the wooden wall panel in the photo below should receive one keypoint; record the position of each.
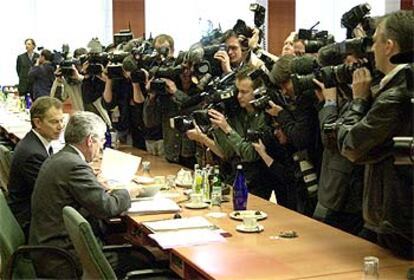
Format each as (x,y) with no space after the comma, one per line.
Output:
(281,22)
(407,4)
(281,19)
(125,11)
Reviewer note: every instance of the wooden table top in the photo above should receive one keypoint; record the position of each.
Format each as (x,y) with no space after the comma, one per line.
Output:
(319,251)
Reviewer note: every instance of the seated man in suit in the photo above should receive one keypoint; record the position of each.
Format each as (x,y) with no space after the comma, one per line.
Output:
(46,116)
(67,179)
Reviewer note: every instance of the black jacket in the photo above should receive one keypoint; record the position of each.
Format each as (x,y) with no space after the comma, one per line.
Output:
(366,137)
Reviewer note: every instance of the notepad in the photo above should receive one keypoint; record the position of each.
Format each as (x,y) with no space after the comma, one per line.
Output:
(154,206)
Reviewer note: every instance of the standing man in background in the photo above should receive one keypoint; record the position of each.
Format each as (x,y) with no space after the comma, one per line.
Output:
(25,61)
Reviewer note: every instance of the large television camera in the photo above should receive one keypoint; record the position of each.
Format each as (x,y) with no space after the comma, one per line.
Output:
(313,39)
(358,15)
(219,96)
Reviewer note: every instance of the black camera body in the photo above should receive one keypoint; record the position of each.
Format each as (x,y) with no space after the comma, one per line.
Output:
(314,40)
(66,67)
(357,15)
(253,135)
(182,123)
(158,87)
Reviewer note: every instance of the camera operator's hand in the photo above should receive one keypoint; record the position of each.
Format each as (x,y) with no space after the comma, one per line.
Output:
(359,31)
(259,147)
(224,59)
(280,136)
(219,120)
(58,75)
(361,83)
(274,110)
(170,86)
(324,93)
(196,134)
(75,74)
(254,40)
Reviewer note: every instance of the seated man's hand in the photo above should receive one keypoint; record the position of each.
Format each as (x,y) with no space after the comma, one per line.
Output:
(133,190)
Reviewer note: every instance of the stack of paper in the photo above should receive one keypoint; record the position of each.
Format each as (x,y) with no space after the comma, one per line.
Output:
(154,206)
(184,232)
(185,238)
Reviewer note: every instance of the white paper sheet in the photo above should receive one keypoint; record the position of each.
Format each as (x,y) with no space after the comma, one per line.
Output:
(119,166)
(154,206)
(178,224)
(186,238)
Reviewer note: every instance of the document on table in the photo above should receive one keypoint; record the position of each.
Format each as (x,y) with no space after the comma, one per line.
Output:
(154,206)
(118,166)
(197,222)
(184,232)
(186,238)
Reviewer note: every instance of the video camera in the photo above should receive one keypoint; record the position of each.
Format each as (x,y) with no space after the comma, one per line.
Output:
(357,15)
(220,96)
(313,39)
(306,68)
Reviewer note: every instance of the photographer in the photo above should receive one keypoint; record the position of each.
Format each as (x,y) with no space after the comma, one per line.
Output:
(65,87)
(299,121)
(275,155)
(161,105)
(237,54)
(341,181)
(41,75)
(124,111)
(366,137)
(230,135)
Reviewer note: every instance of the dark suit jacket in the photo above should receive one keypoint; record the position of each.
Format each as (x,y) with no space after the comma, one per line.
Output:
(23,66)
(66,179)
(27,160)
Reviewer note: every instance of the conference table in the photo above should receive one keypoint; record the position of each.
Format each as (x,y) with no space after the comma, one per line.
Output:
(319,252)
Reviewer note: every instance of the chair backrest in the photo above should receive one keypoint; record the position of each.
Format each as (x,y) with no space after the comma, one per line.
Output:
(11,238)
(6,155)
(94,263)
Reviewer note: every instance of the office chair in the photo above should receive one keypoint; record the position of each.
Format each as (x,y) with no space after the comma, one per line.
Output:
(15,256)
(94,263)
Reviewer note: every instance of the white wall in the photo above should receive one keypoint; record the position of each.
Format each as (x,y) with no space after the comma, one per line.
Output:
(329,13)
(50,23)
(185,20)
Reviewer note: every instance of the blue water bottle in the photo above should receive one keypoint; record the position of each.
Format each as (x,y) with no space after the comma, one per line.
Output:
(240,191)
(28,101)
(108,139)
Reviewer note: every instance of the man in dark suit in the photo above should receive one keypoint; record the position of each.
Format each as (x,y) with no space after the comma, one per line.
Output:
(67,179)
(42,75)
(46,116)
(25,61)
